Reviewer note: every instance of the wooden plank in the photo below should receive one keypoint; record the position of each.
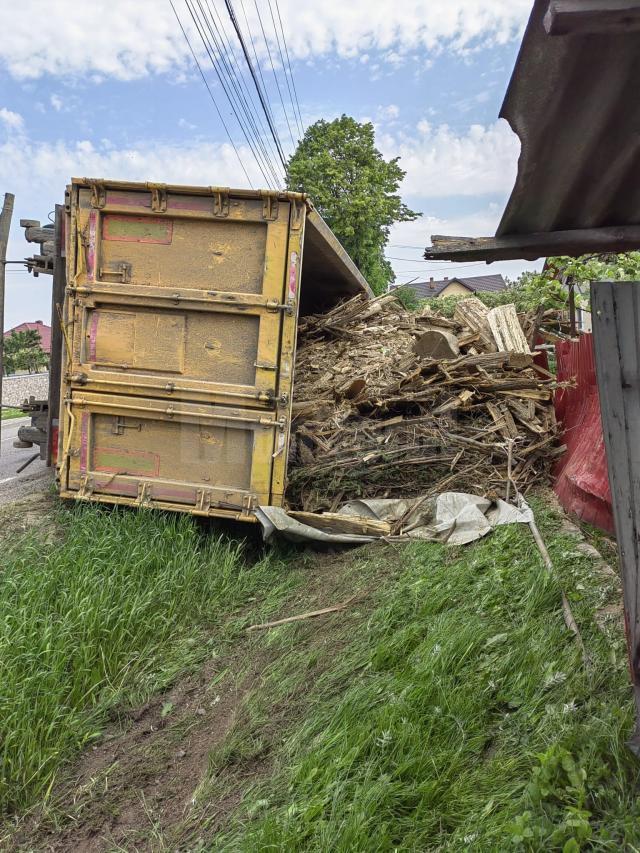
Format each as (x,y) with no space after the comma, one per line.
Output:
(579,241)
(506,329)
(616,320)
(582,17)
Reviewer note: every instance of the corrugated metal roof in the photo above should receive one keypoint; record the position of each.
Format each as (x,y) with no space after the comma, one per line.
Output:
(428,289)
(573,101)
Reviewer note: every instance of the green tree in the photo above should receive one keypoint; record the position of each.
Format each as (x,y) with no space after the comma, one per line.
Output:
(354,188)
(23,351)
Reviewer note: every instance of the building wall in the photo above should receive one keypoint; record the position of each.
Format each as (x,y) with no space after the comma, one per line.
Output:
(454,289)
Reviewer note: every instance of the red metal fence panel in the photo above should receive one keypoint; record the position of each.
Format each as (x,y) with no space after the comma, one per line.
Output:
(581,477)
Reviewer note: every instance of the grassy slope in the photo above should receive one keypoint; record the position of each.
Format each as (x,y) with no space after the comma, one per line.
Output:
(114,613)
(448,710)
(453,713)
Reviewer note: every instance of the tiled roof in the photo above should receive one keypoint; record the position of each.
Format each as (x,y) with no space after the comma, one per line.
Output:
(427,289)
(39,326)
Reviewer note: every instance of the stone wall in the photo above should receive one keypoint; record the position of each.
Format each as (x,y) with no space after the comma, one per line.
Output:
(17,388)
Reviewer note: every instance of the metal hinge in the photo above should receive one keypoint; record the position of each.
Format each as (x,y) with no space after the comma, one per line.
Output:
(220,201)
(143,494)
(203,500)
(158,197)
(98,194)
(269,205)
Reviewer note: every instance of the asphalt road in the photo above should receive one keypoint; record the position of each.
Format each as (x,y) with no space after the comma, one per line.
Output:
(35,478)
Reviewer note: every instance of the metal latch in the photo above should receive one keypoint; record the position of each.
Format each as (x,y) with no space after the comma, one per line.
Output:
(119,425)
(122,271)
(269,205)
(273,305)
(265,365)
(220,201)
(158,197)
(98,194)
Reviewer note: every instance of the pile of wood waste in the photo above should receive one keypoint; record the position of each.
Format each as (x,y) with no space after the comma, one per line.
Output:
(392,403)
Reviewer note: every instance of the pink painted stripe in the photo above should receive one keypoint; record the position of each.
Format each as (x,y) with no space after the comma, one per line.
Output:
(293,275)
(84,441)
(91,249)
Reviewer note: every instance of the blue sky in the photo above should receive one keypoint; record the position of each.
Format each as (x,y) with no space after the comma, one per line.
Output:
(116,94)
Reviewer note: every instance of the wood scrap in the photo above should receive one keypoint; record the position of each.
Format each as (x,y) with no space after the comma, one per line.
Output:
(300,616)
(373,418)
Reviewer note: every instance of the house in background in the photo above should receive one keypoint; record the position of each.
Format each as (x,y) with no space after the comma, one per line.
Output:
(38,326)
(455,286)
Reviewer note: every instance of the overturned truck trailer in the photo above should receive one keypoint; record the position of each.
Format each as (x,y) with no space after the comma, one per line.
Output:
(179,319)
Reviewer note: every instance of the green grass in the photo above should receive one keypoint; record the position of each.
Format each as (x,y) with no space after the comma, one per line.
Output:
(451,712)
(110,614)
(8,414)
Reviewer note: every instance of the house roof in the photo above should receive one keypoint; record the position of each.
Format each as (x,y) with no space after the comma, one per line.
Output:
(38,326)
(428,289)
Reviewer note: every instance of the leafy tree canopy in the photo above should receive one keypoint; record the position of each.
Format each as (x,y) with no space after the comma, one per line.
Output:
(23,351)
(355,190)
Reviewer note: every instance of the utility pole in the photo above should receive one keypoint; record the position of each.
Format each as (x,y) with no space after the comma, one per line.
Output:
(5,224)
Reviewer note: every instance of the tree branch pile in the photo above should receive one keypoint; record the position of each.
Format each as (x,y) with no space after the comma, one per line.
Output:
(390,403)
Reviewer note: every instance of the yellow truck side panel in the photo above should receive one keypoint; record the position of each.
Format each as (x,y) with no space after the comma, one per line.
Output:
(180,322)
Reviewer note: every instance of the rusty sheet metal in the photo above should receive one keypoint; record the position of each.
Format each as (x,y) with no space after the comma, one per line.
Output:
(581,479)
(180,323)
(573,101)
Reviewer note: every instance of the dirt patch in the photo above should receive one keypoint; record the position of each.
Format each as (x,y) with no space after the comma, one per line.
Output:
(140,787)
(32,514)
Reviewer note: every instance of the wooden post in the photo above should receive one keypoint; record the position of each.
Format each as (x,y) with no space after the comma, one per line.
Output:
(615,310)
(5,224)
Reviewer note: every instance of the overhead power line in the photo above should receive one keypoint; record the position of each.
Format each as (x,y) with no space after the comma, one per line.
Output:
(293,82)
(247,133)
(284,67)
(213,100)
(235,89)
(239,71)
(274,133)
(273,69)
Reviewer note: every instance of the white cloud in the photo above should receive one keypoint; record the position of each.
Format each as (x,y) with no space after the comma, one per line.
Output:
(56,102)
(10,119)
(140,38)
(439,162)
(388,113)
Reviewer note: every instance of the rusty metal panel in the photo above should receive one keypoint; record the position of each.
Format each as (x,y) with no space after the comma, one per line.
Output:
(616,321)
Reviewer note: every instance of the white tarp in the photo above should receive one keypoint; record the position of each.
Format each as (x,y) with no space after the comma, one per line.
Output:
(454,518)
